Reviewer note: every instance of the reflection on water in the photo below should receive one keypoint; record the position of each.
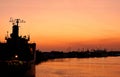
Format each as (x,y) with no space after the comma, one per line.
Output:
(86,67)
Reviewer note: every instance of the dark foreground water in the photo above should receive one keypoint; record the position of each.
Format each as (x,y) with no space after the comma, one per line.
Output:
(74,67)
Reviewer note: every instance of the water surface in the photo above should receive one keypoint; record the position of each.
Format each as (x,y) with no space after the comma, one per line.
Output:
(82,67)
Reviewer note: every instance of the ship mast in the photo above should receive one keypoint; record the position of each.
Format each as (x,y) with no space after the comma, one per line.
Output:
(15,28)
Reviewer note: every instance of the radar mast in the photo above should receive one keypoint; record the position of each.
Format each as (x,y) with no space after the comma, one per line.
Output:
(15,28)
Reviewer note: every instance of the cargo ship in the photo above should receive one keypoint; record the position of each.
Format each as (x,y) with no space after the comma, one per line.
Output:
(17,54)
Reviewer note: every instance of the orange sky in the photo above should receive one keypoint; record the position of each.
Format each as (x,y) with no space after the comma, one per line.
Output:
(65,24)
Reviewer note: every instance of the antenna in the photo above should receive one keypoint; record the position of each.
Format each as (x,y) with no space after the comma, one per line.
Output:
(16,21)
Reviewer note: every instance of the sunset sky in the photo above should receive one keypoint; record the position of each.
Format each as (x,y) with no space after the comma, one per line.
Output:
(65,24)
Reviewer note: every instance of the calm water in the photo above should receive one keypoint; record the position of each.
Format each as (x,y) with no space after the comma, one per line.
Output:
(87,67)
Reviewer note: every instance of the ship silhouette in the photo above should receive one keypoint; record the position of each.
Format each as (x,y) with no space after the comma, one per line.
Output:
(17,55)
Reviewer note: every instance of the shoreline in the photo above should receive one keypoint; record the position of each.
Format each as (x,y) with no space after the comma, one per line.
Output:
(45,56)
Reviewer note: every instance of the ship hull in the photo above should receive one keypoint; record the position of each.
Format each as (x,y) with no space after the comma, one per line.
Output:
(17,69)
